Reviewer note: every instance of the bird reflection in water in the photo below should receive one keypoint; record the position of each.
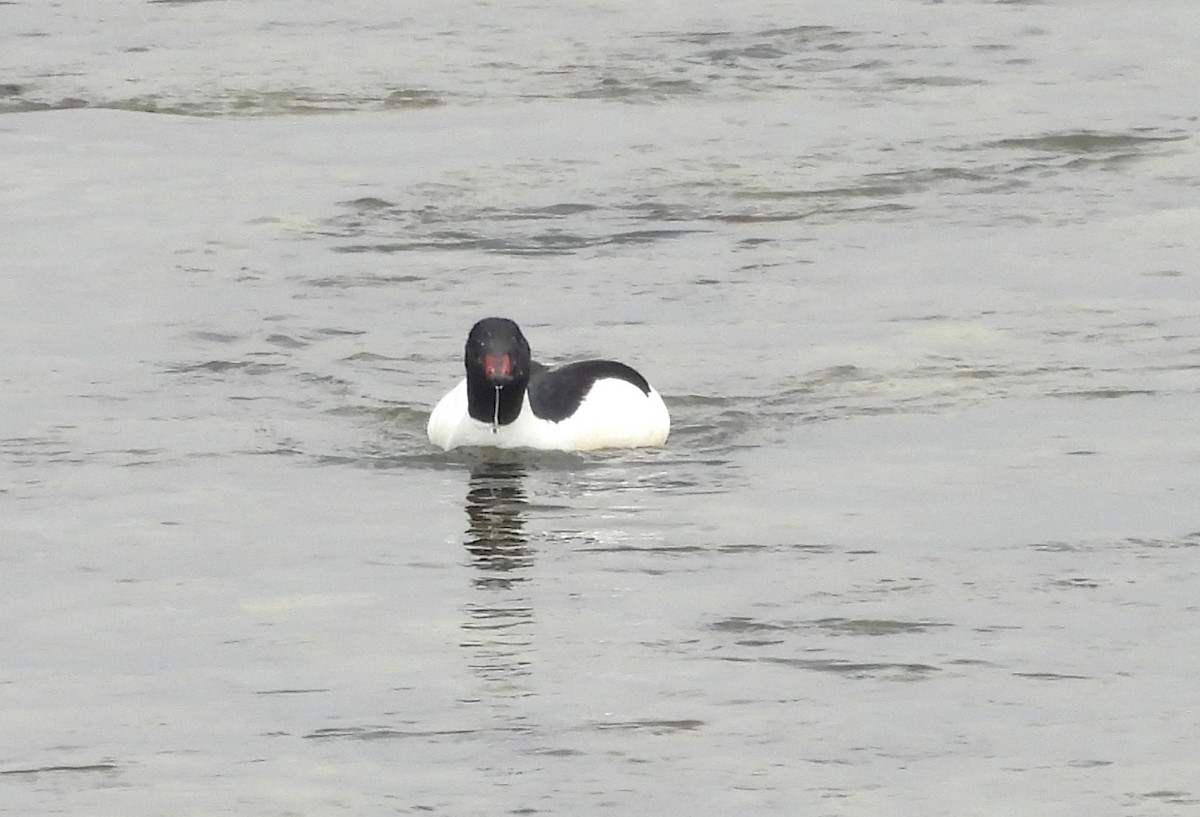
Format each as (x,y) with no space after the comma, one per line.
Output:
(499,619)
(496,530)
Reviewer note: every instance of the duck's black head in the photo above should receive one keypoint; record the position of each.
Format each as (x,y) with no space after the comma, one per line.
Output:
(498,363)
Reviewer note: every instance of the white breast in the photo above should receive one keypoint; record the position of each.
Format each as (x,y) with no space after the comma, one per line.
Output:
(615,414)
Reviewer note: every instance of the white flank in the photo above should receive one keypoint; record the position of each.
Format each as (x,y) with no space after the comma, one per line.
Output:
(615,414)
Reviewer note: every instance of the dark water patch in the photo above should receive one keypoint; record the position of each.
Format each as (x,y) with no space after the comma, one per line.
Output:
(662,211)
(387,461)
(21,104)
(234,102)
(552,211)
(926,178)
(710,63)
(368,280)
(286,341)
(833,382)
(703,37)
(975,662)
(497,617)
(740,625)
(749,53)
(368,204)
(155,104)
(1059,547)
(795,34)
(859,669)
(646,236)
(1175,797)
(296,691)
(1190,540)
(653,726)
(712,434)
(812,213)
(395,416)
(846,373)
(772,49)
(751,632)
(1113,161)
(552,753)
(638,89)
(929,387)
(331,383)
(249,367)
(215,337)
(519,231)
(569,463)
(412,98)
(670,550)
(1087,141)
(704,401)
(369,357)
(840,392)
(289,101)
(405,446)
(284,448)
(703,484)
(529,244)
(807,34)
(1104,394)
(134,457)
(38,450)
(371,733)
(1077,151)
(1076,582)
(873,627)
(787,547)
(934,81)
(891,184)
(966,371)
(866,190)
(34,771)
(1051,676)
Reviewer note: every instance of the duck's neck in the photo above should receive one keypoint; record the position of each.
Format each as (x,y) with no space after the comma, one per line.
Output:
(487,404)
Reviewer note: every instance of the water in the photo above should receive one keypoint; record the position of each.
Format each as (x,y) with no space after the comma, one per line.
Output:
(918,283)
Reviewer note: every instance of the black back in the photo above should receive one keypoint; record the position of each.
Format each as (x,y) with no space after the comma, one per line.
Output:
(555,394)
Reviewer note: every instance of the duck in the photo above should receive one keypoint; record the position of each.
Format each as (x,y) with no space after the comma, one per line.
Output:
(509,400)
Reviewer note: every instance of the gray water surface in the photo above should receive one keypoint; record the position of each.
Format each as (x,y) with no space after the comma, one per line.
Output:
(917,280)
